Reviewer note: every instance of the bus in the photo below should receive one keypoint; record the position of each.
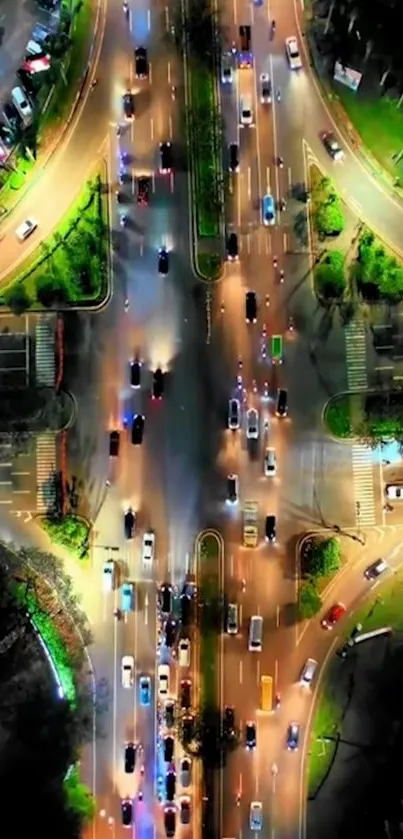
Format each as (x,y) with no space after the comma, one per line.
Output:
(266,693)
(276,349)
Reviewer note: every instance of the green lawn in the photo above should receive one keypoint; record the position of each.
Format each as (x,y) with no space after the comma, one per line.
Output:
(386,609)
(14,181)
(203,150)
(326,721)
(380,125)
(87,213)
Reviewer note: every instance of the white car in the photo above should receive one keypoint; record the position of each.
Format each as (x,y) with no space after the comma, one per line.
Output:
(270,462)
(265,89)
(255,815)
(291,48)
(148,548)
(246,110)
(394,491)
(252,424)
(26,228)
(108,575)
(185,771)
(184,652)
(163,680)
(227,69)
(127,671)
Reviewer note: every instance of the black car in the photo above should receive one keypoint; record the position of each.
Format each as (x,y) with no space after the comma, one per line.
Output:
(114,443)
(185,690)
(282,402)
(270,529)
(130,757)
(188,729)
(141,63)
(170,633)
(250,307)
(163,261)
(186,610)
(250,735)
(11,116)
(245,38)
(135,373)
(137,430)
(170,822)
(229,722)
(169,747)
(166,158)
(27,82)
(130,522)
(143,189)
(233,157)
(170,785)
(165,598)
(169,713)
(158,384)
(128,105)
(126,812)
(232,246)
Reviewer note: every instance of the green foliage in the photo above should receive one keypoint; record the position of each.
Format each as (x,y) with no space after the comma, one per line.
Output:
(17,298)
(378,275)
(209,547)
(324,557)
(309,601)
(47,631)
(327,211)
(329,275)
(338,417)
(78,797)
(69,531)
(205,135)
(209,265)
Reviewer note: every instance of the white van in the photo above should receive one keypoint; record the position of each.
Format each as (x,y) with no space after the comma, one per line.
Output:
(246,110)
(232,619)
(184,652)
(308,672)
(21,102)
(255,633)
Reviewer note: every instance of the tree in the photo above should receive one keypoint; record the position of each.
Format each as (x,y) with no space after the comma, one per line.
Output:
(324,557)
(378,275)
(51,291)
(17,298)
(309,601)
(329,219)
(201,28)
(329,275)
(78,797)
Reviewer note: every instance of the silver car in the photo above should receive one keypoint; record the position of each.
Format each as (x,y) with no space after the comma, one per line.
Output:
(252,424)
(185,772)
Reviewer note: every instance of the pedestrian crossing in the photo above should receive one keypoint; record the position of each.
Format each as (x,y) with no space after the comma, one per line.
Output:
(356,355)
(363,481)
(45,472)
(45,363)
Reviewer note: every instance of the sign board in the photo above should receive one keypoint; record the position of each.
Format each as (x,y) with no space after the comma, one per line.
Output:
(347,76)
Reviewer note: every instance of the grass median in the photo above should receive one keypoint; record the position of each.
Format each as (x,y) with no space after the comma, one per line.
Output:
(210,618)
(204,146)
(71,266)
(327,719)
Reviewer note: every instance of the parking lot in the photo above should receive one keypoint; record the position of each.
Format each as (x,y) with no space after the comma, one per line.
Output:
(26,478)
(387,341)
(14,351)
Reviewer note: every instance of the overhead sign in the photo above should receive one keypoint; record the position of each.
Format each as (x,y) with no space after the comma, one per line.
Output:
(347,76)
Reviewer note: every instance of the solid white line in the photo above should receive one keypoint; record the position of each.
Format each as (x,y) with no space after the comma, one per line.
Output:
(148,19)
(152,127)
(240,671)
(169,72)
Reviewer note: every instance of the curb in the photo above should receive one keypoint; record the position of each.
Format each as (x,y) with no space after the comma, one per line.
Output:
(346,440)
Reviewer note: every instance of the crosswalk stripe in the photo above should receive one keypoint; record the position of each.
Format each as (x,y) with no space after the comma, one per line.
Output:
(45,363)
(45,471)
(363,481)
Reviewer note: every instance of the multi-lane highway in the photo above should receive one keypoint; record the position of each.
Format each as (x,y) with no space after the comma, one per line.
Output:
(154,318)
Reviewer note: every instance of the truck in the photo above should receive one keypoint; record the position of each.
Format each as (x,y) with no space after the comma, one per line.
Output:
(276,349)
(250,524)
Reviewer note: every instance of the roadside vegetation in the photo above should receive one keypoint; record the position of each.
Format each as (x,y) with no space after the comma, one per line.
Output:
(70,268)
(323,737)
(52,93)
(368,40)
(72,532)
(372,418)
(42,730)
(200,32)
(319,560)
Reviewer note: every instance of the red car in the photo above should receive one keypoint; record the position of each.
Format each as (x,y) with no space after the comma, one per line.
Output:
(333,616)
(143,186)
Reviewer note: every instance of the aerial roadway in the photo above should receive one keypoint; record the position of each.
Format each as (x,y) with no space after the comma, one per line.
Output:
(152,378)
